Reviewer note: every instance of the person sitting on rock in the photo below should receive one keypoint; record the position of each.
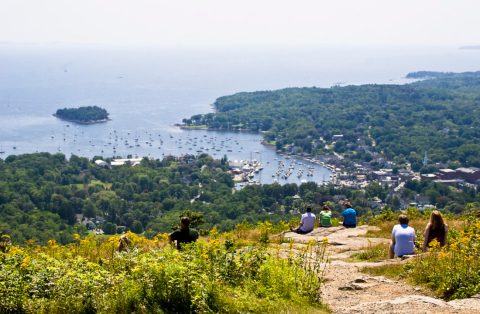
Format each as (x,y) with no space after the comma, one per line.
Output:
(326,217)
(349,216)
(403,238)
(184,235)
(307,222)
(436,229)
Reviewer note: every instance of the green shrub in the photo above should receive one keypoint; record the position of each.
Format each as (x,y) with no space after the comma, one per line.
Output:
(373,253)
(205,277)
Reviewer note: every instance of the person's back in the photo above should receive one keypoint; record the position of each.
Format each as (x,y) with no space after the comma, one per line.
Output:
(438,235)
(349,216)
(404,236)
(326,217)
(436,230)
(308,222)
(184,234)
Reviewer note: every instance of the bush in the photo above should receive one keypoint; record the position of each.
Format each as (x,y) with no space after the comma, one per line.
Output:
(90,276)
(454,270)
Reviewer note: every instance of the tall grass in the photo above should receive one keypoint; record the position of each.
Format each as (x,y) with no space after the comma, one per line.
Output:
(452,271)
(210,276)
(372,253)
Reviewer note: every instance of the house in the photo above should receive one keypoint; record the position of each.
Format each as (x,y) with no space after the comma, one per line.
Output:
(428,176)
(405,175)
(125,161)
(447,174)
(101,163)
(452,182)
(90,225)
(470,175)
(121,229)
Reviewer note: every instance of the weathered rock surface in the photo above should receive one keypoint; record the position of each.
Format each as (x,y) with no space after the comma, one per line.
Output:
(348,290)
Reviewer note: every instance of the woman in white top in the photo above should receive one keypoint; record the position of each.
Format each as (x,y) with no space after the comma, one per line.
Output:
(403,238)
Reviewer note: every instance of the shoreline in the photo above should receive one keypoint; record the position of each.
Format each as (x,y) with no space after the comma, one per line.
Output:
(82,122)
(206,128)
(311,159)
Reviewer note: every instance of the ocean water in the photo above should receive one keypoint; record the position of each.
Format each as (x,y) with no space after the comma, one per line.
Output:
(147,91)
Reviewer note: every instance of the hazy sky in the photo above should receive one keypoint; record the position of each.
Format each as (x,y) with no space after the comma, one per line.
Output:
(243,22)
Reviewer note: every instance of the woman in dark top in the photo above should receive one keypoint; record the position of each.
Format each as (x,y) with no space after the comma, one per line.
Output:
(436,229)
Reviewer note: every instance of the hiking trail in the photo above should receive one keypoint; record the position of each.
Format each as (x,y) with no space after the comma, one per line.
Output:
(348,290)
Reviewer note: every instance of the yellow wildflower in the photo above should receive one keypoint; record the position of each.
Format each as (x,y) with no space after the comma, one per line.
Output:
(25,262)
(52,243)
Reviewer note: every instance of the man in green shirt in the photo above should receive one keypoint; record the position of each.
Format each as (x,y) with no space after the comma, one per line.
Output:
(184,235)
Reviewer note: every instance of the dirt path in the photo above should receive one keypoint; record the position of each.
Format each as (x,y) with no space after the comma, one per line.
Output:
(347,290)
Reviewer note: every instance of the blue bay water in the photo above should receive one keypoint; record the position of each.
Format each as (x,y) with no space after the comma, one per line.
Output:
(147,91)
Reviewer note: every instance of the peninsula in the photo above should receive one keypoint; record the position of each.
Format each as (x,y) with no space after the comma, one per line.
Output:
(83,115)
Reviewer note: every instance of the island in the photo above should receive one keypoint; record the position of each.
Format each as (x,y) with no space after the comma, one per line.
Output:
(83,115)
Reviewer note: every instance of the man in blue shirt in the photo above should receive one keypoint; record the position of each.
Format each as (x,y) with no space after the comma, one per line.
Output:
(349,216)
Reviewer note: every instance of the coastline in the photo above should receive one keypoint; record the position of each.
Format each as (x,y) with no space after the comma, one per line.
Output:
(311,159)
(206,128)
(81,121)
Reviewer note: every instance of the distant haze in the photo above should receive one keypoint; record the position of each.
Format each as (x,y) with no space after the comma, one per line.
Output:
(210,23)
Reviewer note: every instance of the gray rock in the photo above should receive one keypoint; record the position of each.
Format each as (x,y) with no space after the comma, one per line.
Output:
(472,303)
(360,280)
(351,287)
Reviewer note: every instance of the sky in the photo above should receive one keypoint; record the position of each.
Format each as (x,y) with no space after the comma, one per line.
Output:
(214,23)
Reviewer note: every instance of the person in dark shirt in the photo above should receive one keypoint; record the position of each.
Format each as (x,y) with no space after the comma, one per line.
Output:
(184,235)
(436,229)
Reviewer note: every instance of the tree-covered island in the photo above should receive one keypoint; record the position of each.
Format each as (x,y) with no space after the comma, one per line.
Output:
(83,115)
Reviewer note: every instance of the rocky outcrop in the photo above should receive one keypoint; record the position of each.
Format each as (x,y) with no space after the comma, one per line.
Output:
(348,290)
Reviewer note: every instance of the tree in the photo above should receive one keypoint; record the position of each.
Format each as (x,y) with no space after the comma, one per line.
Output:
(89,209)
(110,228)
(137,227)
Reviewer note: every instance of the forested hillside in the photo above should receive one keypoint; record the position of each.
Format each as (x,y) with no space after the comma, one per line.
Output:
(42,195)
(439,115)
(45,196)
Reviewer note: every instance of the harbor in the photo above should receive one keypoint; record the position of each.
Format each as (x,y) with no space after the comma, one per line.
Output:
(259,163)
(288,170)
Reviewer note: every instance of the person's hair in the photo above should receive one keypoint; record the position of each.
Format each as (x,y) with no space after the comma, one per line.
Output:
(325,207)
(123,243)
(347,204)
(309,209)
(436,220)
(185,221)
(403,219)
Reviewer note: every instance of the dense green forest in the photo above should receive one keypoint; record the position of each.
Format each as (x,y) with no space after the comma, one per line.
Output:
(88,114)
(439,115)
(42,196)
